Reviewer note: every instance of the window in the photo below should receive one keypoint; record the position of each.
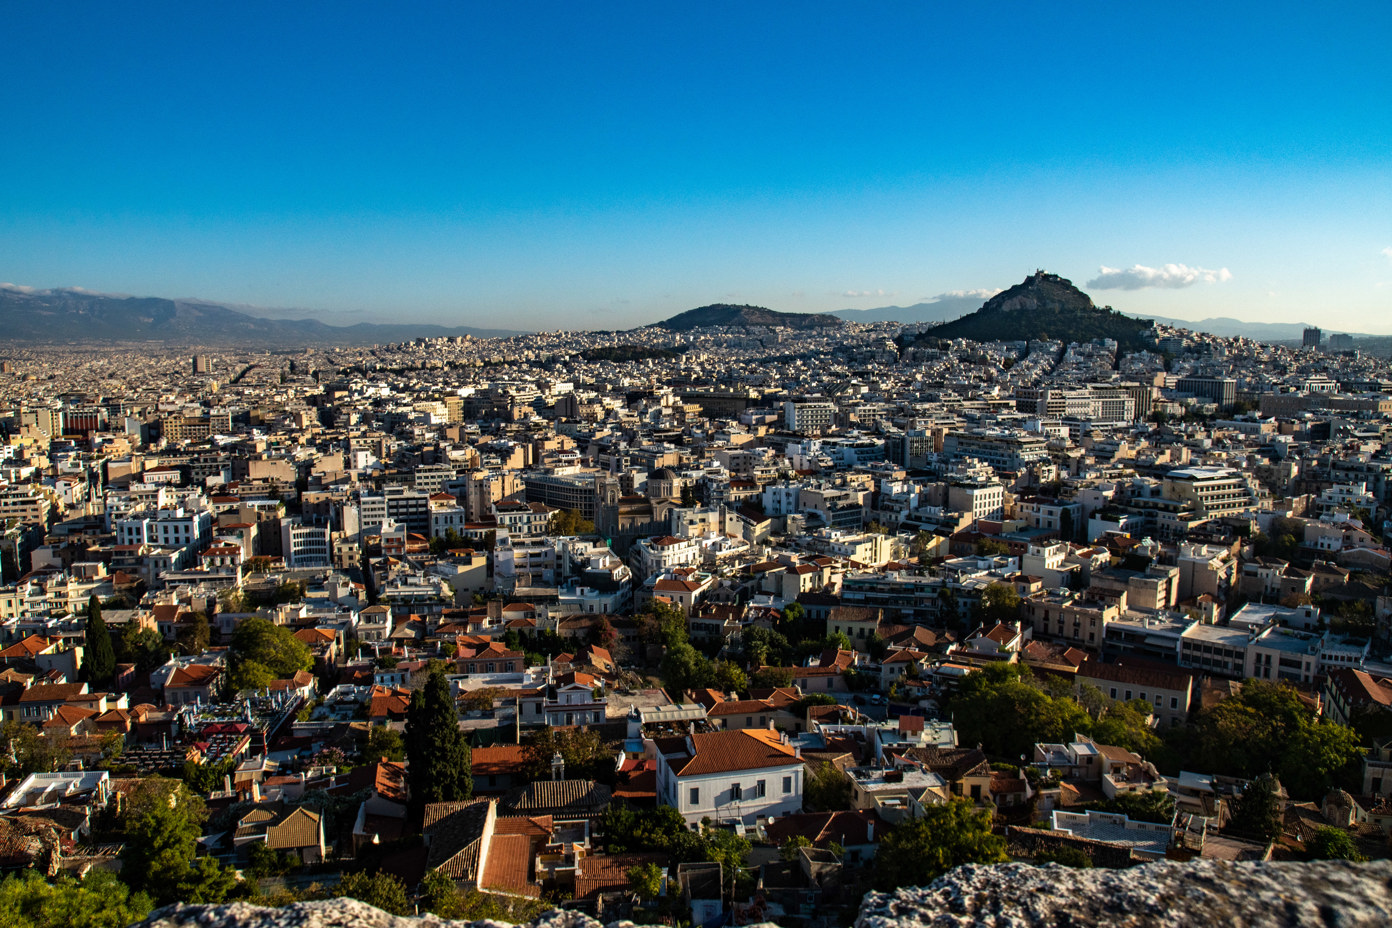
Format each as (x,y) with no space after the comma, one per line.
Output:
(1114,692)
(694,797)
(1174,702)
(759,789)
(736,792)
(787,785)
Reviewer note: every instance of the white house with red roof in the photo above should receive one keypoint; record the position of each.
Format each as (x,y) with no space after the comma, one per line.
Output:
(730,776)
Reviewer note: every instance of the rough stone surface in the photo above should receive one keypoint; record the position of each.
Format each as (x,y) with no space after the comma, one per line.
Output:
(340,913)
(1214,893)
(1209,893)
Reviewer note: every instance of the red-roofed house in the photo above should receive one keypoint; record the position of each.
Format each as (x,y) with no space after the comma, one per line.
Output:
(729,775)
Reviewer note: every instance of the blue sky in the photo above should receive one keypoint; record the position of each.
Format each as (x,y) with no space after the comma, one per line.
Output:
(600,165)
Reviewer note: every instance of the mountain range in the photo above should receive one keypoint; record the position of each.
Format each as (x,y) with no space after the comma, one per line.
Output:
(79,316)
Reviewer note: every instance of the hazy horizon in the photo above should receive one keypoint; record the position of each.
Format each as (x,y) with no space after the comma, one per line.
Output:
(541,166)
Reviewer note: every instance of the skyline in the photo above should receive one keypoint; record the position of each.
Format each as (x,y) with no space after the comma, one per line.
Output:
(542,166)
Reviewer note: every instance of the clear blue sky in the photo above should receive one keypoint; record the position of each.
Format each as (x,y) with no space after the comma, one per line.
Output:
(596,165)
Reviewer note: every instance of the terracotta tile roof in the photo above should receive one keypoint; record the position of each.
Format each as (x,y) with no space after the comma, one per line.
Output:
(499,760)
(455,832)
(601,873)
(509,865)
(26,647)
(532,826)
(562,798)
(51,692)
(67,716)
(193,675)
(298,829)
(1154,677)
(726,752)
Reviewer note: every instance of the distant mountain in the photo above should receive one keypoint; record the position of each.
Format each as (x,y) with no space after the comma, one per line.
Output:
(729,315)
(945,307)
(75,316)
(1044,306)
(1227,327)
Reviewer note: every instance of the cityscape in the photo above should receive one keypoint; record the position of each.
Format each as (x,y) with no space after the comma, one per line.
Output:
(607,465)
(690,623)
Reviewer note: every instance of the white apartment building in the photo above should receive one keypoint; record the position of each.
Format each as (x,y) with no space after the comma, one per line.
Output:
(184,531)
(730,776)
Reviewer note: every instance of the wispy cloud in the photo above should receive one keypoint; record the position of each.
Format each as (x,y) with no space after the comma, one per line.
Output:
(18,288)
(856,294)
(980,293)
(1387,252)
(1168,276)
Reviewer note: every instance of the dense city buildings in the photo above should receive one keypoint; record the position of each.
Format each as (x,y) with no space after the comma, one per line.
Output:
(794,586)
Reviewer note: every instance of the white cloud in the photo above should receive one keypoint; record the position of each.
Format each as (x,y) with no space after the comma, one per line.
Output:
(17,288)
(1169,276)
(1387,252)
(854,294)
(980,293)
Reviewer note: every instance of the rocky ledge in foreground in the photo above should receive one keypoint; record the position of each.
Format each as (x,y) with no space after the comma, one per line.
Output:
(336,913)
(1208,893)
(1200,892)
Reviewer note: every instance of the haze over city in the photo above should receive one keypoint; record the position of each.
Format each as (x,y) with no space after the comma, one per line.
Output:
(603,166)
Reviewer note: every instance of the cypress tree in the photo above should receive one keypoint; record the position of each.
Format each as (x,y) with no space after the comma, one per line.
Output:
(437,753)
(101,656)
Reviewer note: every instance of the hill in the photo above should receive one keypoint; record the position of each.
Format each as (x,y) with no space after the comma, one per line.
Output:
(77,316)
(730,315)
(1044,306)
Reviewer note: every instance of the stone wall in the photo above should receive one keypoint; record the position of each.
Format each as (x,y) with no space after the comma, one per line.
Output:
(1203,892)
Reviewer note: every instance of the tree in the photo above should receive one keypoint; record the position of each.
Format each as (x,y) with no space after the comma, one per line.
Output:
(1329,843)
(729,678)
(570,522)
(100,664)
(440,896)
(991,547)
(437,754)
(383,743)
(827,789)
(383,890)
(1127,725)
(1152,805)
(204,778)
(684,668)
(1002,708)
(161,823)
(1258,812)
(920,850)
(195,634)
(792,847)
(98,900)
(143,647)
(1268,727)
(262,651)
(645,880)
(999,603)
(585,753)
(772,677)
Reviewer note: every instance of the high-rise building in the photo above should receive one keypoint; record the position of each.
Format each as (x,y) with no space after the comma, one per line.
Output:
(1312,337)
(202,364)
